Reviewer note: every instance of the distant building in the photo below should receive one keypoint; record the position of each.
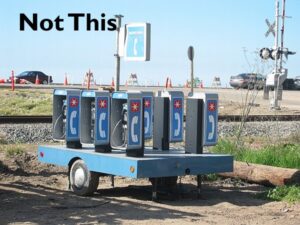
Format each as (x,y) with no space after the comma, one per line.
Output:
(133,80)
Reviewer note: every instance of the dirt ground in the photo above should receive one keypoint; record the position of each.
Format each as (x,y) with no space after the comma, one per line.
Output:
(34,193)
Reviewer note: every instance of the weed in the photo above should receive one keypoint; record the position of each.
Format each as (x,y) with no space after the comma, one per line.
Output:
(289,194)
(13,150)
(2,141)
(211,177)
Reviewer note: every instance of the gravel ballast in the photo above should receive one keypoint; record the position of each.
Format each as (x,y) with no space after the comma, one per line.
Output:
(26,133)
(42,133)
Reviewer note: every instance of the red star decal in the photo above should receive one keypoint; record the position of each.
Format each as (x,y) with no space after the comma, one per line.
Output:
(74,102)
(102,103)
(147,103)
(135,106)
(211,106)
(177,104)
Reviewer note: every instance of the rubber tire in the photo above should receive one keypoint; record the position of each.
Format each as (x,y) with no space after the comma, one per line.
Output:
(91,182)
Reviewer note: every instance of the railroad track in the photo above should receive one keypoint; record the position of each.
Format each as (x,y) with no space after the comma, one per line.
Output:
(225,118)
(25,119)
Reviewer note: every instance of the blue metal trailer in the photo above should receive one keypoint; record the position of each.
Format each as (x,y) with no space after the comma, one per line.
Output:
(85,165)
(104,135)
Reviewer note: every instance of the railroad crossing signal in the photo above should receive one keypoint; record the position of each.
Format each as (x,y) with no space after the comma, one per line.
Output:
(265,53)
(271,28)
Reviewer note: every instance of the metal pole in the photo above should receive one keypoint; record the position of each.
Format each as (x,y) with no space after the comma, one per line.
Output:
(117,76)
(275,105)
(89,80)
(276,89)
(276,33)
(199,185)
(282,31)
(12,80)
(192,77)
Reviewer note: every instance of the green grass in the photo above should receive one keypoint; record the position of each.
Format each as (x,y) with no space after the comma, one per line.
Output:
(211,177)
(2,141)
(282,155)
(12,150)
(25,102)
(289,194)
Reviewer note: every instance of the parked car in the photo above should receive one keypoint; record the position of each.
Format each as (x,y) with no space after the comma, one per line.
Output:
(288,84)
(297,83)
(30,77)
(239,81)
(256,81)
(247,80)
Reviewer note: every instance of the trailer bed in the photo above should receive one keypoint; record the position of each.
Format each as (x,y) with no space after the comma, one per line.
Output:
(155,163)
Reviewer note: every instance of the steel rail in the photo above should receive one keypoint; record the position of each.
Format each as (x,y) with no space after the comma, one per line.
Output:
(225,118)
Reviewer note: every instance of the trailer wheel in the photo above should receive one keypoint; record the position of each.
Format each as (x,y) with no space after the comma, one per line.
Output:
(82,181)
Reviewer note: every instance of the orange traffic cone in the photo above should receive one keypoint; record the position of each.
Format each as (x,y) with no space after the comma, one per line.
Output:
(167,82)
(170,83)
(113,82)
(186,84)
(37,80)
(66,80)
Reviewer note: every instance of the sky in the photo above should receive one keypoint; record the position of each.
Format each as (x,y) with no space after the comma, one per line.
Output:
(225,35)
